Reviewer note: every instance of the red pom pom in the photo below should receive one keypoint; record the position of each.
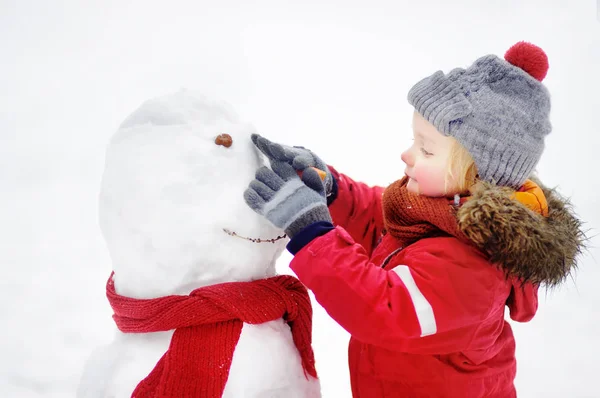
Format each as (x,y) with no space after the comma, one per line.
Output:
(530,58)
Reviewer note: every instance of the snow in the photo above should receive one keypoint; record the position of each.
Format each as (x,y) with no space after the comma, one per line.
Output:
(331,76)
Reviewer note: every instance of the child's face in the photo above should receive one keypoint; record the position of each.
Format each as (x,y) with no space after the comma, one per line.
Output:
(427,161)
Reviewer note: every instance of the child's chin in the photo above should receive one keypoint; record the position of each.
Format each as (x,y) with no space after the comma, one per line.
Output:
(412,186)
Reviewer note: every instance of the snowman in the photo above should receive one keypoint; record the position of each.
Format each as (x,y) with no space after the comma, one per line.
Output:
(199,308)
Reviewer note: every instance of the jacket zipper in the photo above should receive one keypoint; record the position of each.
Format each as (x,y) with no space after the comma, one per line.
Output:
(389,257)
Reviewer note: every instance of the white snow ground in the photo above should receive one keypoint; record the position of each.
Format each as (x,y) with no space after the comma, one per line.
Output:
(329,75)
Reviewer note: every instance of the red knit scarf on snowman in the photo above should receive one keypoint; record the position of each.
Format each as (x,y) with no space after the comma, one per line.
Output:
(208,323)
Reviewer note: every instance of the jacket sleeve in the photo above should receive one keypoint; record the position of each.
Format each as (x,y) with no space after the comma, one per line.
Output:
(357,209)
(401,309)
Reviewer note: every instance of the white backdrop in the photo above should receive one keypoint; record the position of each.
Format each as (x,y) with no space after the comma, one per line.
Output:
(330,75)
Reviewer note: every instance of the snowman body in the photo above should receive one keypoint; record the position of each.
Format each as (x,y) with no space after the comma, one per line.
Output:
(172,213)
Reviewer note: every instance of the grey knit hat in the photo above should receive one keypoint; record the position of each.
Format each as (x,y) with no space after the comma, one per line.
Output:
(498,109)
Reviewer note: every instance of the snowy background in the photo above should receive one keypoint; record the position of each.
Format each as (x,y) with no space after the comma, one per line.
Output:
(331,75)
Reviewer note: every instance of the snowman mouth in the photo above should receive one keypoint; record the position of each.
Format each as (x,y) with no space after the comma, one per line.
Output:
(254,240)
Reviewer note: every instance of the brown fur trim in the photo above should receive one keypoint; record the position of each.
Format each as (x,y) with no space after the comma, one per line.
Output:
(524,244)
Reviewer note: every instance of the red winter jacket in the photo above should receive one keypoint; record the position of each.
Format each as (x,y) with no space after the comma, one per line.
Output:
(430,323)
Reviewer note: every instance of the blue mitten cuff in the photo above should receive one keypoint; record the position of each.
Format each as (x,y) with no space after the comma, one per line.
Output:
(305,236)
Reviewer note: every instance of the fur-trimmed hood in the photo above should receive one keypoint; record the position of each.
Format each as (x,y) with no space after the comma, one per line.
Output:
(525,244)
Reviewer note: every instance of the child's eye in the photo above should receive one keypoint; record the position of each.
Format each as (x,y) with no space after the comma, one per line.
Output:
(425,152)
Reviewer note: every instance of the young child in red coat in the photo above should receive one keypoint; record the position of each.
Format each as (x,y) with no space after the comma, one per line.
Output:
(420,273)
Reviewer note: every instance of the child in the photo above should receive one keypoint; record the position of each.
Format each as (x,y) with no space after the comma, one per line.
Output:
(419,273)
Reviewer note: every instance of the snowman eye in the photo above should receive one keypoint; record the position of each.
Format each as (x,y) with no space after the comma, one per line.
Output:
(224,139)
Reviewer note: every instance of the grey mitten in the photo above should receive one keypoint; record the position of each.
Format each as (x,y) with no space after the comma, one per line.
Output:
(289,202)
(298,157)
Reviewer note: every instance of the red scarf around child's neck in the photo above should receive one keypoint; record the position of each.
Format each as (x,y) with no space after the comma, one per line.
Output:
(409,217)
(207,325)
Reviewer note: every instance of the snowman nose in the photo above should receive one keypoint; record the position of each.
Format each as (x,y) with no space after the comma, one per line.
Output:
(224,139)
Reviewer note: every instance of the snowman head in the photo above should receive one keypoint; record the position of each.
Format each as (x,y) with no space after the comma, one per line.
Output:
(171,204)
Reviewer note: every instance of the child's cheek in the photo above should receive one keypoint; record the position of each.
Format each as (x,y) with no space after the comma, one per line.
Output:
(430,184)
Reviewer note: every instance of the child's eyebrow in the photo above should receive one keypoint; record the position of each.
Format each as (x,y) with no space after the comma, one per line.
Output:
(421,137)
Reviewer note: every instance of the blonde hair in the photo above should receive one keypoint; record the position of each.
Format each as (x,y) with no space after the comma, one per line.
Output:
(461,168)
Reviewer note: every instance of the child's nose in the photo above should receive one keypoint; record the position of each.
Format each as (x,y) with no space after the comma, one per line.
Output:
(407,157)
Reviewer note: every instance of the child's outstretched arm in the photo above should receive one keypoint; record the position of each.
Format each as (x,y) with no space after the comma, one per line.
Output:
(354,206)
(435,302)
(357,208)
(443,287)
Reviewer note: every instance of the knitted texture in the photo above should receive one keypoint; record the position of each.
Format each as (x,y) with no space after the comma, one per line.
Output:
(288,201)
(409,217)
(208,324)
(496,110)
(298,157)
